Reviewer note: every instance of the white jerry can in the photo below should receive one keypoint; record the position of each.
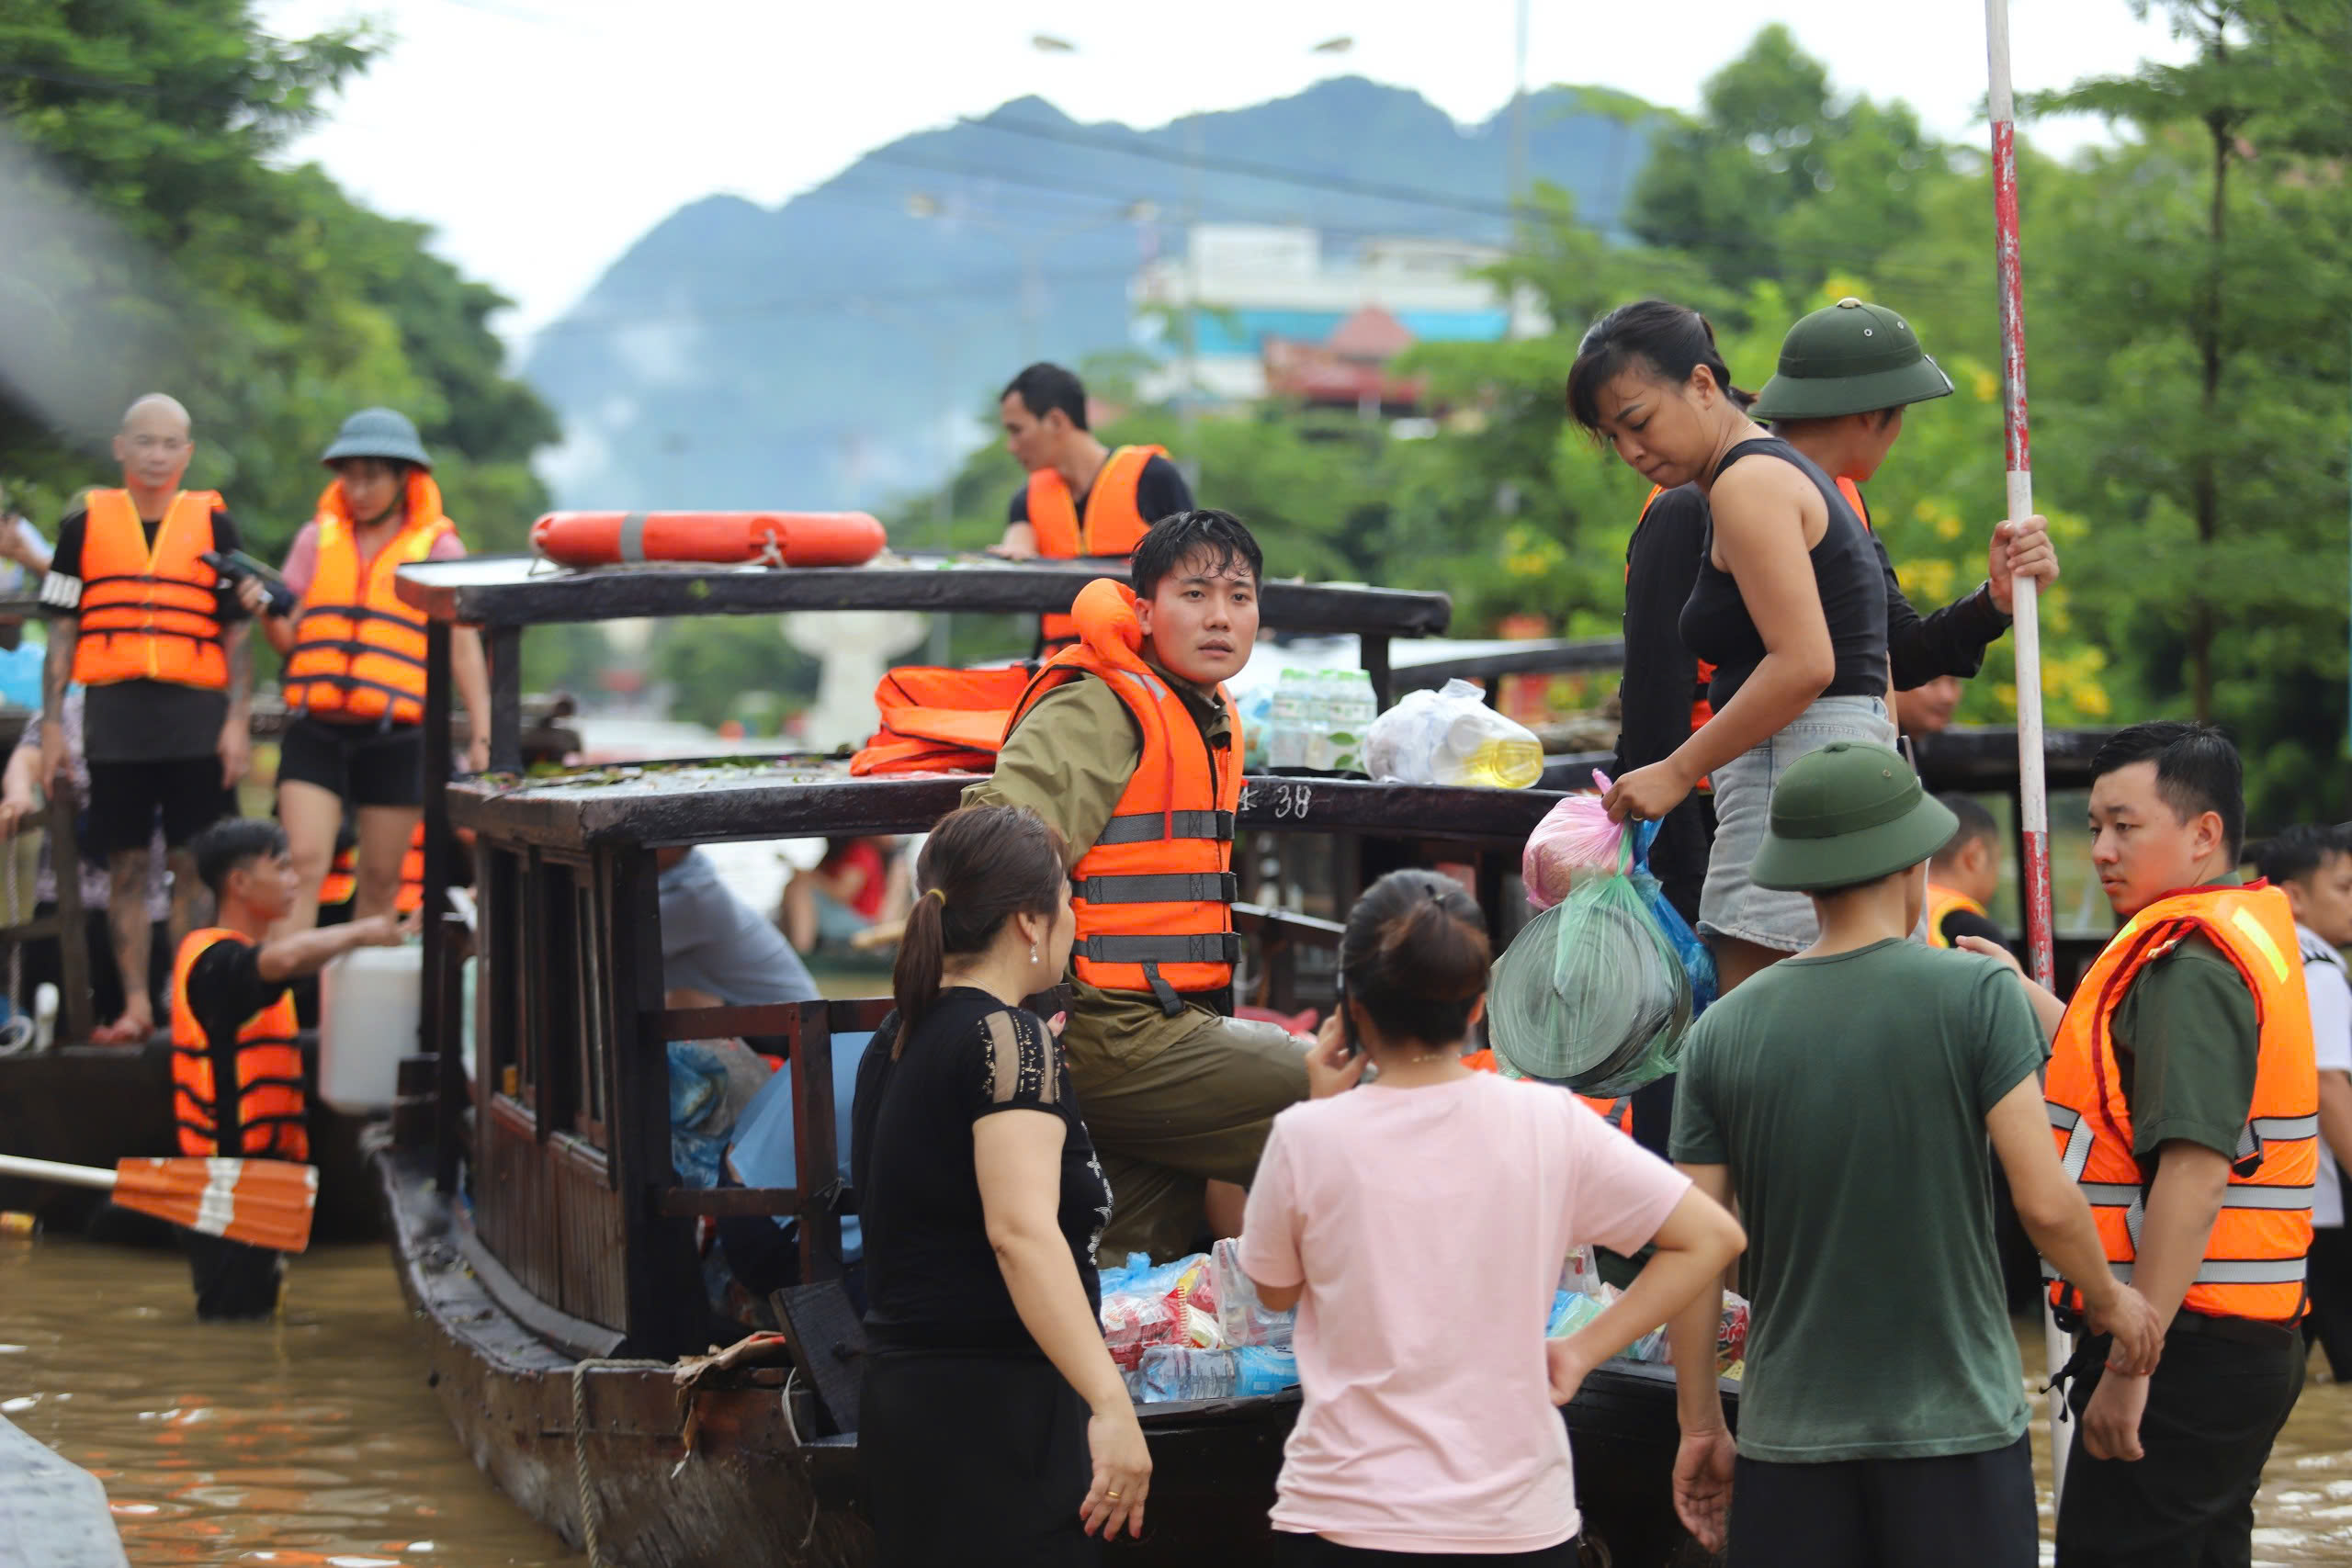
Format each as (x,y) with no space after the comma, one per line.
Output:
(369,1007)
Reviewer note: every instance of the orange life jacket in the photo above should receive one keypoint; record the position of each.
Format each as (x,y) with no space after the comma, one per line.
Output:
(341,882)
(149,614)
(1618,1112)
(1112,526)
(263,1112)
(2254,1259)
(358,651)
(943,721)
(1153,895)
(1942,901)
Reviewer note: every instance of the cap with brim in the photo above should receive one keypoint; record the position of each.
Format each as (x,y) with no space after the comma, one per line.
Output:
(1852,357)
(1849,813)
(384,433)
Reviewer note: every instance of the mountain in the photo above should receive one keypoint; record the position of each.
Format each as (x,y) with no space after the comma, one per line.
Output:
(841,349)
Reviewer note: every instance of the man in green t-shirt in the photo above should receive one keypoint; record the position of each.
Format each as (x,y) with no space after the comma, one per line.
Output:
(1844,1098)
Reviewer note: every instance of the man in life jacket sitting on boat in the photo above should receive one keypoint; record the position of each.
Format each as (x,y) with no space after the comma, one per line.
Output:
(1126,745)
(1964,875)
(1082,498)
(237,1089)
(2184,1096)
(159,642)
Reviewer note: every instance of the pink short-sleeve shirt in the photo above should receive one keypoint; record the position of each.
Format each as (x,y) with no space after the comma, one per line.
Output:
(1428,1226)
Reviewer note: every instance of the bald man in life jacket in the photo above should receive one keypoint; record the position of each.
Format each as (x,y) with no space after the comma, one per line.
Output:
(1082,498)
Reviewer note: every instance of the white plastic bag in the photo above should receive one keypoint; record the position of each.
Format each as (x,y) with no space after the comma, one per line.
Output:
(1451,737)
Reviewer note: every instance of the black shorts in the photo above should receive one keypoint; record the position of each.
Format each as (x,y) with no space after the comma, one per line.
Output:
(937,1497)
(1962,1511)
(126,796)
(367,764)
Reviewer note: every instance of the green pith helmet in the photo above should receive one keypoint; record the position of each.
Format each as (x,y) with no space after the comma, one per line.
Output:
(1850,812)
(1851,358)
(377,432)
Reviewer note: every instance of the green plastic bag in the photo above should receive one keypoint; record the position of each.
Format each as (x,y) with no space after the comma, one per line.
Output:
(1591,994)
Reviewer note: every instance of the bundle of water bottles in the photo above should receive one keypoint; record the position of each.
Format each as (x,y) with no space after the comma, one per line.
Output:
(1194,1329)
(1311,721)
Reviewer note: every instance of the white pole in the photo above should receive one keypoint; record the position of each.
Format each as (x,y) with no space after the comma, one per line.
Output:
(50,1171)
(2033,790)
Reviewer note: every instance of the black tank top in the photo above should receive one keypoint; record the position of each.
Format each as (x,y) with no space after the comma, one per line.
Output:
(1717,627)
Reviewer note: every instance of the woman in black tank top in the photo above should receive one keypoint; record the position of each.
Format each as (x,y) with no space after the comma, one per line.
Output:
(1790,603)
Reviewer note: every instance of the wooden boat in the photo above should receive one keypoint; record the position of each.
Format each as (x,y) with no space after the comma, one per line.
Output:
(542,1235)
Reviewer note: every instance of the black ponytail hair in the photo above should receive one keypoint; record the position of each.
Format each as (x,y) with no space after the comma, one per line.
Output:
(982,866)
(1672,339)
(1415,956)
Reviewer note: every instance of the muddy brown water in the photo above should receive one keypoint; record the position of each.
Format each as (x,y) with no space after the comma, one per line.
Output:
(314,1441)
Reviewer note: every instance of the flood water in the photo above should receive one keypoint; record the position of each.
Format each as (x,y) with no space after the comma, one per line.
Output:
(314,1441)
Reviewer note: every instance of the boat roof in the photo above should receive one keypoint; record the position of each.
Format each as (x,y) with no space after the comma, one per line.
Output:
(782,798)
(520,590)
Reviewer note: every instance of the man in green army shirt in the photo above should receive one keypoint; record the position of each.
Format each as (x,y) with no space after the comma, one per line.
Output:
(1178,1097)
(1852,1100)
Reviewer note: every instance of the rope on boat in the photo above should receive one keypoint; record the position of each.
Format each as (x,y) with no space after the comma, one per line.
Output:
(590,1513)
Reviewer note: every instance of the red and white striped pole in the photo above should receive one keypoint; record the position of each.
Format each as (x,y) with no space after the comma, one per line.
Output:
(2033,788)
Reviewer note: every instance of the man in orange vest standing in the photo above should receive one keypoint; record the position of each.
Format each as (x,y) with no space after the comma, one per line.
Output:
(237,1069)
(160,642)
(2184,1098)
(1082,498)
(1127,746)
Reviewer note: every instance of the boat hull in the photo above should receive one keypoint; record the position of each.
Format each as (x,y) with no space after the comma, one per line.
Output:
(596,1441)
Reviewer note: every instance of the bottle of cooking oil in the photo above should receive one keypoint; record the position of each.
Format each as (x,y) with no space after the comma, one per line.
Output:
(1483,750)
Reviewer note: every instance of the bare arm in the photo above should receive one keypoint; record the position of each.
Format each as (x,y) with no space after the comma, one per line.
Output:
(1020,541)
(57,666)
(1759,528)
(1692,1249)
(470,669)
(1017,1157)
(306,951)
(2057,1219)
(1703,1465)
(19,789)
(236,642)
(2191,1181)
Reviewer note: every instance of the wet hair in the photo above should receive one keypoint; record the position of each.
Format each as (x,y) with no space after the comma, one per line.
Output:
(1217,541)
(1415,955)
(233,841)
(1669,340)
(982,866)
(1976,823)
(2300,852)
(1043,387)
(2197,771)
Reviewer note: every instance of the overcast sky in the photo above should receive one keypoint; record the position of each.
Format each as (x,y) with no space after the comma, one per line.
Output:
(541,137)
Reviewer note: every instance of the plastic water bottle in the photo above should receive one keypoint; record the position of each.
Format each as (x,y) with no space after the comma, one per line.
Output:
(1285,739)
(1263,1369)
(1482,748)
(1353,707)
(1314,717)
(1183,1371)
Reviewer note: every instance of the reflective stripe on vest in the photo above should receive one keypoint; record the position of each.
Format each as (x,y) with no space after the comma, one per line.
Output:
(149,614)
(1154,893)
(1942,901)
(359,650)
(1113,523)
(265,1112)
(2254,1257)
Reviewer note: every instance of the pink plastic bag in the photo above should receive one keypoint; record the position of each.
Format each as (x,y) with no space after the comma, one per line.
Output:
(1575,837)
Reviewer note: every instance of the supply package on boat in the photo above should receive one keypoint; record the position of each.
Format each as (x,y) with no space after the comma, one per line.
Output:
(1194,1329)
(1575,842)
(1597,991)
(1451,737)
(719,539)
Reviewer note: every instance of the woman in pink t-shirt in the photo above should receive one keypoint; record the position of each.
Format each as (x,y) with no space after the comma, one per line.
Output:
(1421,1224)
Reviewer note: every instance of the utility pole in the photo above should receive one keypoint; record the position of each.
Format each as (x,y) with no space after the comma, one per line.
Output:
(1518,175)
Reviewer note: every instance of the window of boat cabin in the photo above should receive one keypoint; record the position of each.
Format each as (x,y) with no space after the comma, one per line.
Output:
(564,1048)
(594,1007)
(504,995)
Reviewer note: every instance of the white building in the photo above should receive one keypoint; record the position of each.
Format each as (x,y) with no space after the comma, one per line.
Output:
(1246,282)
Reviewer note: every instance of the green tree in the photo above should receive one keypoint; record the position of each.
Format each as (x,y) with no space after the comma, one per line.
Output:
(2202,302)
(162,245)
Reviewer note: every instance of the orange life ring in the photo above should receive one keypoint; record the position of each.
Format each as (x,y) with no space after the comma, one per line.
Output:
(780,538)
